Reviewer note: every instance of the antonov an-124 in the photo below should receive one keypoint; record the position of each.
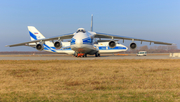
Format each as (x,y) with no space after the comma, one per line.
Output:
(82,42)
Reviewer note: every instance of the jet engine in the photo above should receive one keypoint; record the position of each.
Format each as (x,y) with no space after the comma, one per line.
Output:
(112,44)
(57,44)
(133,45)
(40,47)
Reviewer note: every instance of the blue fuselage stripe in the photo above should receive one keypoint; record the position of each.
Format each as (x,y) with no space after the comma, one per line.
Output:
(108,48)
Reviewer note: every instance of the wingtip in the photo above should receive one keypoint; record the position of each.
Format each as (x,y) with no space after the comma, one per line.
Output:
(7,46)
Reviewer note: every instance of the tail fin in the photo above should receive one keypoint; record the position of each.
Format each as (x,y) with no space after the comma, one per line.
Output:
(34,33)
(91,22)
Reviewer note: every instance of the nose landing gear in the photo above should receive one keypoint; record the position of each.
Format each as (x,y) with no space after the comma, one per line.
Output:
(85,55)
(80,55)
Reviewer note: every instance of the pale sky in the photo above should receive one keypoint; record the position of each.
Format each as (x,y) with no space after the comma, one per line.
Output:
(157,20)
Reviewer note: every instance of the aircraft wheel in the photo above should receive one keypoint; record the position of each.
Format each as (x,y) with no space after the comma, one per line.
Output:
(95,55)
(75,54)
(98,55)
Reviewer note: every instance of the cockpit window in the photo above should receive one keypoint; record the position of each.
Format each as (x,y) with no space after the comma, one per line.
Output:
(78,31)
(81,31)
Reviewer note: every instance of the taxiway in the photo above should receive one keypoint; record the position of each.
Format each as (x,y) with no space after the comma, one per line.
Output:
(67,57)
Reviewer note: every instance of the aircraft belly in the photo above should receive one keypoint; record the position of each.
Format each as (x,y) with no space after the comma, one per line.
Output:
(85,48)
(70,52)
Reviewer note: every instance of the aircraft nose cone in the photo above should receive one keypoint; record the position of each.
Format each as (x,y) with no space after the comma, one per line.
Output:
(78,41)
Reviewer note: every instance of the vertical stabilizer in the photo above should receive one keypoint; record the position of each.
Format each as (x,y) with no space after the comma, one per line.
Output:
(34,33)
(92,22)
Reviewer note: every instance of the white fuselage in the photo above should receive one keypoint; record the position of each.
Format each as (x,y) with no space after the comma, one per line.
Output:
(82,42)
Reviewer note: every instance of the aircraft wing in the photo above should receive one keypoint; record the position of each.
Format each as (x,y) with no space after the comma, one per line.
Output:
(111,36)
(61,37)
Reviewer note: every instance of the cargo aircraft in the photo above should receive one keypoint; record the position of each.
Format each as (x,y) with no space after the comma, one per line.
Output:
(82,42)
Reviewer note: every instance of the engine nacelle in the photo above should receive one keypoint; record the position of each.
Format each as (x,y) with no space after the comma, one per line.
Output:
(57,44)
(133,45)
(112,44)
(40,47)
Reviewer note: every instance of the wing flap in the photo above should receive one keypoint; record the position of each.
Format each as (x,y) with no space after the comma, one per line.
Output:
(163,43)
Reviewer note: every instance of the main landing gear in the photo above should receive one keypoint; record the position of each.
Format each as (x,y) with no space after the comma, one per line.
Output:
(97,54)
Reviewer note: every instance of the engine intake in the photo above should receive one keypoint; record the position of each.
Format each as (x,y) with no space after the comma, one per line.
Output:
(40,47)
(133,45)
(112,44)
(57,44)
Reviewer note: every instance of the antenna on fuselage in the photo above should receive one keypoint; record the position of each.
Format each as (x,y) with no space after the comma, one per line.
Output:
(91,22)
